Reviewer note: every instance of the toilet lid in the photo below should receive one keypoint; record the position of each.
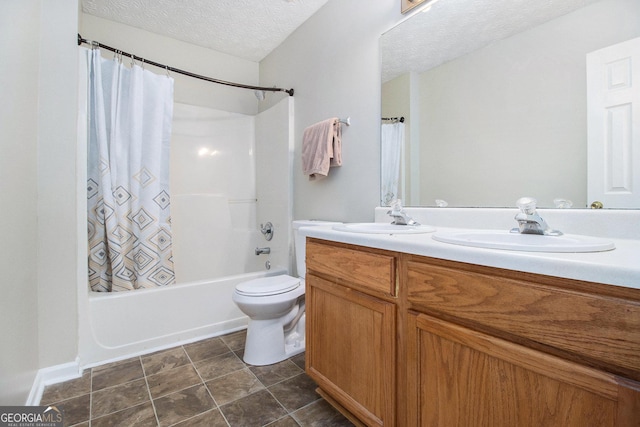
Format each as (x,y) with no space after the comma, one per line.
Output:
(268,285)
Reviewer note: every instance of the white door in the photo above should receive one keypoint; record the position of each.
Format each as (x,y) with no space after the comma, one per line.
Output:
(613,117)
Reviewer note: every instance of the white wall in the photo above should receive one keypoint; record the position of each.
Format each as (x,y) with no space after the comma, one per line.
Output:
(18,192)
(333,63)
(185,56)
(514,108)
(38,326)
(57,192)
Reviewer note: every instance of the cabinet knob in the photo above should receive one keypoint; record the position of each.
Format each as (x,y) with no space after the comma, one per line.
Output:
(597,205)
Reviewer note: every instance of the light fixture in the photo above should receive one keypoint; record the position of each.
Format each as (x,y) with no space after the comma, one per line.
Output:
(407,5)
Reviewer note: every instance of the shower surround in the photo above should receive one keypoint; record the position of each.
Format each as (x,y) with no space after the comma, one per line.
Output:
(229,173)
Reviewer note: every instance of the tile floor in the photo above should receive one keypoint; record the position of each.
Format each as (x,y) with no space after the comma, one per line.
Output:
(205,383)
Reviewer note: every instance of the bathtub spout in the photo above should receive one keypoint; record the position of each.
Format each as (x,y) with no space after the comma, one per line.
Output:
(266,250)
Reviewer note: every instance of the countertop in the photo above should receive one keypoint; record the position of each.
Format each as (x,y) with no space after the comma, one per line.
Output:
(619,267)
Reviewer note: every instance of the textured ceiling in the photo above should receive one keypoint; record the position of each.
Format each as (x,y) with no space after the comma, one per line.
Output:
(451,28)
(248,29)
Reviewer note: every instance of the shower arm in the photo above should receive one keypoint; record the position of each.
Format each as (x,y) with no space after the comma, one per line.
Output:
(95,44)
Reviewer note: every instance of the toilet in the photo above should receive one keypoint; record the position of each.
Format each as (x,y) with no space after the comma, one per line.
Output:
(275,307)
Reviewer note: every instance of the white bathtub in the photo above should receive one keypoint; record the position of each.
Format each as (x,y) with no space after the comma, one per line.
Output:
(214,214)
(126,324)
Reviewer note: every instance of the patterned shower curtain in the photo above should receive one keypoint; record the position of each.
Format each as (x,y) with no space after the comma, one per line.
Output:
(392,142)
(129,127)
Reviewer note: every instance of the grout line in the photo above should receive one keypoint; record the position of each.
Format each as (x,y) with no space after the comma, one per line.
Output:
(205,383)
(153,405)
(305,406)
(196,416)
(288,378)
(177,390)
(288,414)
(90,397)
(117,385)
(279,403)
(114,386)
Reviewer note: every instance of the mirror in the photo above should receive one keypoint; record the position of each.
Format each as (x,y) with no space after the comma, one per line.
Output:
(494,96)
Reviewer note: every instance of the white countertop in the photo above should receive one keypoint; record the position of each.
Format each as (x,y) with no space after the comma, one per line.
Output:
(620,267)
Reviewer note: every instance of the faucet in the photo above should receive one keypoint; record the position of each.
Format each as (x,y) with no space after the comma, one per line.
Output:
(529,221)
(266,250)
(399,216)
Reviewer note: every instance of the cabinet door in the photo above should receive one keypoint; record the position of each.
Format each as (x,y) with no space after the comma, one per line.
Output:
(351,349)
(460,377)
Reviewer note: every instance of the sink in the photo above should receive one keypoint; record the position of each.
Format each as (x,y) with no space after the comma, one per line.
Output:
(502,239)
(383,228)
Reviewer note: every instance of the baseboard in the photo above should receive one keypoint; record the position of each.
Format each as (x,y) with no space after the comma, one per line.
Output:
(72,370)
(52,375)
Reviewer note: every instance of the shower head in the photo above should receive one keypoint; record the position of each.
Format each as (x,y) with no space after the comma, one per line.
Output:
(260,94)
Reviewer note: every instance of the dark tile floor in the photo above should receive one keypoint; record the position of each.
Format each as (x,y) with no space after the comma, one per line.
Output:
(205,383)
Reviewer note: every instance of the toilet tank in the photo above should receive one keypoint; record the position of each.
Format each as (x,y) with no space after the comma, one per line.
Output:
(299,242)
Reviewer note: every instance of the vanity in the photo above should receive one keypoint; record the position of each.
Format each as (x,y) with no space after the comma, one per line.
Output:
(404,330)
(472,325)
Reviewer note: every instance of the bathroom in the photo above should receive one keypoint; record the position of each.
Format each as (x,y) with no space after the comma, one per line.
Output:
(43,267)
(42,283)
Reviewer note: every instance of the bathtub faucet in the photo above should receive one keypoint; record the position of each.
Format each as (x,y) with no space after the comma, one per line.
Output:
(263,251)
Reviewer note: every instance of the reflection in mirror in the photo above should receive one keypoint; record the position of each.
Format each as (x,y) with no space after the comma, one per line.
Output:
(407,5)
(495,102)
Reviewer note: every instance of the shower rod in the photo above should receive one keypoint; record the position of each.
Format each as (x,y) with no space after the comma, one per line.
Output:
(394,119)
(179,71)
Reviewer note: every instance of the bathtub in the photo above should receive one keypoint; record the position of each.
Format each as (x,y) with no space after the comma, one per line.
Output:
(214,214)
(126,324)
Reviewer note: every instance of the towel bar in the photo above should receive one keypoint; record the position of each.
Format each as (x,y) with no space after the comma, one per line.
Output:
(346,121)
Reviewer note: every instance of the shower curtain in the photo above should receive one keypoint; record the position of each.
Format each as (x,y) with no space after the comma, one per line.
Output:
(392,142)
(129,127)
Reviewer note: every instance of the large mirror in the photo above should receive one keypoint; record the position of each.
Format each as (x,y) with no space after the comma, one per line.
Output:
(494,97)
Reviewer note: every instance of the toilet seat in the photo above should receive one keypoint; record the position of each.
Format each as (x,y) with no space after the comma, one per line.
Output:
(267,286)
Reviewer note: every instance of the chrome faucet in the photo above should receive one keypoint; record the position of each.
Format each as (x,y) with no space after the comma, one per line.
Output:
(399,216)
(266,250)
(529,221)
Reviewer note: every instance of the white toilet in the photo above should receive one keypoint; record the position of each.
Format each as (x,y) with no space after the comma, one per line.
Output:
(275,307)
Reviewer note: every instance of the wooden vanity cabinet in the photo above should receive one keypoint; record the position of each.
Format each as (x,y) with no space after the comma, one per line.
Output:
(467,378)
(407,340)
(351,330)
(491,347)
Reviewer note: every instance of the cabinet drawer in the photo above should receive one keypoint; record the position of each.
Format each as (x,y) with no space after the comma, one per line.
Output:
(600,329)
(361,269)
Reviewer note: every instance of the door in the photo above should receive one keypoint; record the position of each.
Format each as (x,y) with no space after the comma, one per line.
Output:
(613,122)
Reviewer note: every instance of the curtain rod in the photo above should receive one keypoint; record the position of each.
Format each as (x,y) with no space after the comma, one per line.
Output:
(395,119)
(179,71)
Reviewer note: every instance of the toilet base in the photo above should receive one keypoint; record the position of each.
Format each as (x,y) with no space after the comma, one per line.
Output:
(268,342)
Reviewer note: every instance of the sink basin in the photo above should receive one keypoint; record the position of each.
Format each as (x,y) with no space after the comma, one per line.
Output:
(383,228)
(502,239)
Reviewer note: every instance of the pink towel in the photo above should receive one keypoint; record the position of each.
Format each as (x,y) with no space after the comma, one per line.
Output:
(321,148)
